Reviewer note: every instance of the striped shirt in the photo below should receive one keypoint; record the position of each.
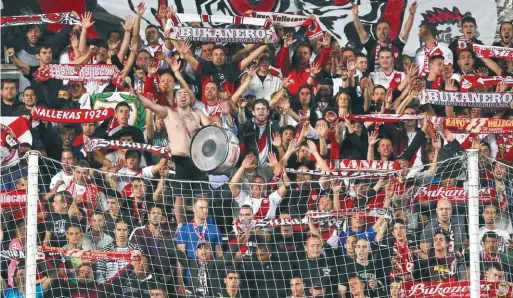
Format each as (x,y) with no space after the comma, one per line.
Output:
(106,269)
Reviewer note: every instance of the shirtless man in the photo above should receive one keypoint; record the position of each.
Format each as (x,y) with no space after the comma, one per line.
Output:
(183,122)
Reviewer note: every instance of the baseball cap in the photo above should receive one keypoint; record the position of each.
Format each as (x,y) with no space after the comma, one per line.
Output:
(249,93)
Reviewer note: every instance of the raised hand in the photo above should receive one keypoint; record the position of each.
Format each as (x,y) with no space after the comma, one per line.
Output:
(252,70)
(74,41)
(373,138)
(315,68)
(113,44)
(276,139)
(483,71)
(312,148)
(351,65)
(135,44)
(436,142)
(413,8)
(326,40)
(336,186)
(354,9)
(288,40)
(450,85)
(293,146)
(285,82)
(164,172)
(86,20)
(272,161)
(322,130)
(501,87)
(162,13)
(175,65)
(284,106)
(247,163)
(413,71)
(184,47)
(129,23)
(152,69)
(10,52)
(141,8)
(223,105)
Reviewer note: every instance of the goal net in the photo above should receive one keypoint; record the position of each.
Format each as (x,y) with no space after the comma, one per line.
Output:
(369,230)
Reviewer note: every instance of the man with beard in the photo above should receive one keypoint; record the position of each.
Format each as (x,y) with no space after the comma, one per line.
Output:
(9,98)
(373,46)
(469,29)
(266,82)
(300,71)
(374,96)
(106,269)
(506,35)
(79,98)
(184,122)
(263,206)
(218,70)
(67,136)
(431,47)
(444,223)
(315,263)
(96,238)
(398,254)
(490,217)
(367,270)
(442,265)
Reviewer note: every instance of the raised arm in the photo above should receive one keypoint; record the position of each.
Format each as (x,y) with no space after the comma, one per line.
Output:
(86,24)
(318,158)
(246,61)
(82,59)
(247,163)
(147,103)
(358,25)
(405,33)
(24,68)
(245,84)
(184,49)
(141,8)
(175,67)
(134,44)
(373,139)
(128,25)
(155,170)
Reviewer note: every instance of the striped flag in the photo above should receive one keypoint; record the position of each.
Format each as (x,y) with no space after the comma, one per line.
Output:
(14,132)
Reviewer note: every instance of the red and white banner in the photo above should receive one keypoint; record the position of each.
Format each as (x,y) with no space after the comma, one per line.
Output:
(484,51)
(383,117)
(284,19)
(50,18)
(340,174)
(95,144)
(492,100)
(469,82)
(71,116)
(474,125)
(90,255)
(456,289)
(13,198)
(361,165)
(181,18)
(454,194)
(14,132)
(87,72)
(223,35)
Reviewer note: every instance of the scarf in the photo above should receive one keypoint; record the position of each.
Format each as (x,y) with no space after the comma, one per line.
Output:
(223,35)
(201,236)
(474,125)
(71,116)
(202,277)
(483,51)
(181,18)
(386,118)
(88,255)
(492,100)
(449,234)
(428,53)
(284,19)
(87,72)
(95,144)
(402,262)
(67,18)
(463,43)
(12,198)
(476,81)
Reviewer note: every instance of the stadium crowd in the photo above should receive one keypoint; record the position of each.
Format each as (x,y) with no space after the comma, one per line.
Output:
(192,234)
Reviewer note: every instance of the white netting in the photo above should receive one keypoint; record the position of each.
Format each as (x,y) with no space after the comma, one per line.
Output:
(390,234)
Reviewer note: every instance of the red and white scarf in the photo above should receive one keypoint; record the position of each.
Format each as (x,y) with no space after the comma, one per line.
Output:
(428,53)
(71,116)
(72,72)
(94,144)
(483,51)
(224,35)
(402,262)
(181,18)
(67,18)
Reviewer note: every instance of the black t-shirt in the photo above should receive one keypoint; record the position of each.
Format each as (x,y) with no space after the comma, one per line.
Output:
(57,225)
(224,76)
(323,268)
(366,273)
(373,47)
(46,91)
(129,286)
(7,110)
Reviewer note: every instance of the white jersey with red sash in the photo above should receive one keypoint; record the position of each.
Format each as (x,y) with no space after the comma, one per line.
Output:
(125,175)
(424,54)
(263,208)
(213,109)
(263,144)
(389,81)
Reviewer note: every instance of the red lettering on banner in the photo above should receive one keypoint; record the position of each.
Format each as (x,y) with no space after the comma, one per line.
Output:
(454,194)
(459,289)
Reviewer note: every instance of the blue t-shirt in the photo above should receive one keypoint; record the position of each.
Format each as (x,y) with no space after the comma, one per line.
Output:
(14,293)
(188,236)
(369,234)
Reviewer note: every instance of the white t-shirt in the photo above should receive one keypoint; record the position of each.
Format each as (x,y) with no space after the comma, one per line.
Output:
(274,200)
(387,80)
(61,176)
(502,237)
(125,174)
